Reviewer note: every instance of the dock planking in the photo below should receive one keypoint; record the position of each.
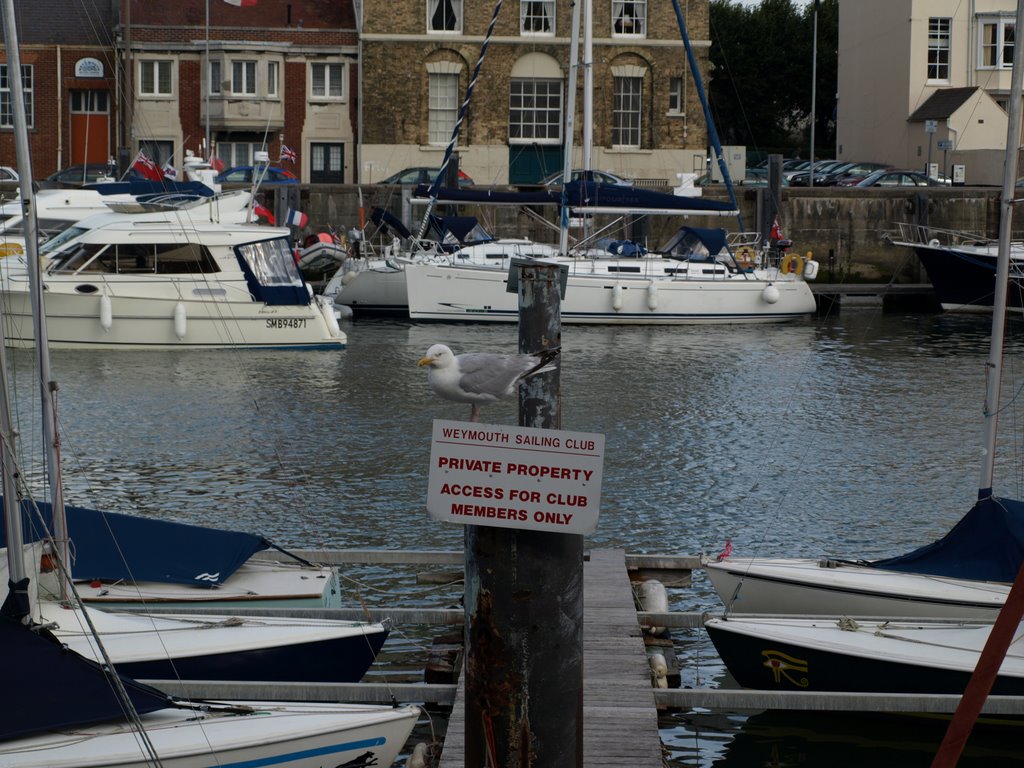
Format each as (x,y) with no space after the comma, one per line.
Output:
(620,718)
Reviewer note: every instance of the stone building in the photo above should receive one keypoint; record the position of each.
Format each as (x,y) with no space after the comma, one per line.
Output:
(418,57)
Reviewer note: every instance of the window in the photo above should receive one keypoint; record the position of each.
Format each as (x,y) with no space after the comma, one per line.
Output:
(90,102)
(243,78)
(6,115)
(996,48)
(215,78)
(444,15)
(938,48)
(537,17)
(155,78)
(535,111)
(328,163)
(626,112)
(629,17)
(273,68)
(443,106)
(326,81)
(675,95)
(235,153)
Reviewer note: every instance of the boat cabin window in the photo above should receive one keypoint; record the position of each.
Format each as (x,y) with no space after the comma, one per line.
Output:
(139,258)
(272,262)
(52,245)
(47,228)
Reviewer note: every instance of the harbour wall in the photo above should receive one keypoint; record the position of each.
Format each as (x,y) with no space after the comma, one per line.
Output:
(846,229)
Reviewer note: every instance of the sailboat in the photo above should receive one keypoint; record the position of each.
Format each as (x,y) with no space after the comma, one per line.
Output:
(982,552)
(64,709)
(697,277)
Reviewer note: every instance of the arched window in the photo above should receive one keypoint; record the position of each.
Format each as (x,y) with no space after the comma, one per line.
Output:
(535,100)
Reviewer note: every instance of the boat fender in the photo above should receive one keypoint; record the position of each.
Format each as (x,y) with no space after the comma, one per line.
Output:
(810,268)
(180,321)
(653,598)
(617,298)
(934,243)
(793,263)
(343,312)
(770,294)
(106,313)
(418,758)
(652,297)
(326,308)
(349,276)
(659,669)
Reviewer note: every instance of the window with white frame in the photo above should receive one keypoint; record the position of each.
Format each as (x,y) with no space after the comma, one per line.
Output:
(326,81)
(629,17)
(535,110)
(537,17)
(675,95)
(6,113)
(626,111)
(939,40)
(235,153)
(243,78)
(444,15)
(155,77)
(996,45)
(273,78)
(215,77)
(443,106)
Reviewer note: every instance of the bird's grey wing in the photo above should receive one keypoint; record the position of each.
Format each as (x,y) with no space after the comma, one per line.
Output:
(491,374)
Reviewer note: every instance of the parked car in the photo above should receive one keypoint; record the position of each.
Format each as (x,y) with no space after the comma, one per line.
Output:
(78,175)
(242,174)
(821,167)
(857,173)
(422,176)
(604,177)
(8,175)
(890,178)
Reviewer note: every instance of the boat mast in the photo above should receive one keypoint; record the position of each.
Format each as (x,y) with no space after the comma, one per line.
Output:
(47,387)
(570,129)
(993,367)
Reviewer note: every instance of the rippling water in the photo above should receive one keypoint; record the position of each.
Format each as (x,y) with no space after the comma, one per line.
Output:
(854,435)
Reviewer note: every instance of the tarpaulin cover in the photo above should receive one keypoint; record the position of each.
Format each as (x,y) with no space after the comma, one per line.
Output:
(987,544)
(47,687)
(110,546)
(586,194)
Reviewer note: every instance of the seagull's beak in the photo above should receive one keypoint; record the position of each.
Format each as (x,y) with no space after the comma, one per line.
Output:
(425,361)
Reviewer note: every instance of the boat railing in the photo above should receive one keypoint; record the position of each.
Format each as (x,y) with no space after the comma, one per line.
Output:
(923,234)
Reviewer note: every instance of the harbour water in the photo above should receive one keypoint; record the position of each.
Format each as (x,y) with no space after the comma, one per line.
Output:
(852,435)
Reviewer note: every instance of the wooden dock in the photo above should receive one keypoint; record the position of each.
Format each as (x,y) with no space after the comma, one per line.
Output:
(620,717)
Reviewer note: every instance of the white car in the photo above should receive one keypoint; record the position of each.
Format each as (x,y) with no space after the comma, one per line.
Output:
(8,175)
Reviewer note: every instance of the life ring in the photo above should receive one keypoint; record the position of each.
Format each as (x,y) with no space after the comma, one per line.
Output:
(745,257)
(792,264)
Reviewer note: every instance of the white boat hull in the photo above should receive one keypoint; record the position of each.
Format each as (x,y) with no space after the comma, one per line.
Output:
(276,735)
(184,315)
(805,587)
(446,293)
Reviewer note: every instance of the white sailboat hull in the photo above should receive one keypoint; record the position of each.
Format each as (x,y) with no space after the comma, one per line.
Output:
(275,735)
(463,293)
(805,587)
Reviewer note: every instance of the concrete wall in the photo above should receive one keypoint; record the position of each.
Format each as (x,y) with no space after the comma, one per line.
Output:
(845,230)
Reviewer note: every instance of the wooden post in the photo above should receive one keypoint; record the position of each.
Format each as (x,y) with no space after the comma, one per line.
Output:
(524,597)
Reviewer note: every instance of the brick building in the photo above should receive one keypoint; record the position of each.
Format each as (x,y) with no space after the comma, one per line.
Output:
(419,55)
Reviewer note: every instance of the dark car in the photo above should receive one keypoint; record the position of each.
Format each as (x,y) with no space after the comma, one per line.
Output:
(422,176)
(803,178)
(77,175)
(603,177)
(242,174)
(858,172)
(890,178)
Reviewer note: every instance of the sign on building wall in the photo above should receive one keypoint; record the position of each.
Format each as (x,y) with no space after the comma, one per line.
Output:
(88,67)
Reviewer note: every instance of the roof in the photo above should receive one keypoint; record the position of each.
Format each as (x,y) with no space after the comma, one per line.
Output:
(942,104)
(85,22)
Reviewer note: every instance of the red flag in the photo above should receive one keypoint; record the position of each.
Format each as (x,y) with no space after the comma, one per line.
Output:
(264,213)
(776,233)
(147,167)
(243,3)
(217,164)
(725,552)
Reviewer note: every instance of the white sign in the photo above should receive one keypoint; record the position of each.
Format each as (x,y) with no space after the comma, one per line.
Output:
(515,477)
(88,67)
(931,126)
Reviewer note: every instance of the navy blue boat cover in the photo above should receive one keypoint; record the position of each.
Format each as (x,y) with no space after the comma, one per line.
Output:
(987,544)
(111,547)
(491,196)
(695,244)
(143,188)
(582,194)
(48,687)
(386,219)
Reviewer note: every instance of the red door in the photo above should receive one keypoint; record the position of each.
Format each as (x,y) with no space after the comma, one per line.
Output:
(90,127)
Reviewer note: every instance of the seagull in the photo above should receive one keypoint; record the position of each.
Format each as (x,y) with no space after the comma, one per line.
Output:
(480,377)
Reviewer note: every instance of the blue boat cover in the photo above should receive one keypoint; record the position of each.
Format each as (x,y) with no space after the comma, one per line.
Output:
(48,687)
(387,220)
(491,196)
(581,195)
(147,188)
(987,545)
(109,546)
(694,244)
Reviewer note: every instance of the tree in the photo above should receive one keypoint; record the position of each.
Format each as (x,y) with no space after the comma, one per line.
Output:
(760,80)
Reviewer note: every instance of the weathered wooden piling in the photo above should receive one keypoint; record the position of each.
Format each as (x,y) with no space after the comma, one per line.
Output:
(524,597)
